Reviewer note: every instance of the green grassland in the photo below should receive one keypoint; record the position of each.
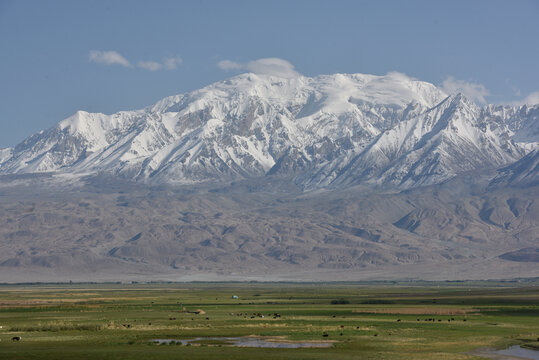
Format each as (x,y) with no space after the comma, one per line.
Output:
(377,321)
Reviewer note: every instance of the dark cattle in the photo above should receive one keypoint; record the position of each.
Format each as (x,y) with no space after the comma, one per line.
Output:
(325,334)
(16,338)
(399,320)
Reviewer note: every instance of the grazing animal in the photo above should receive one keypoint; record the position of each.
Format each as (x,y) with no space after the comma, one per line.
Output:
(16,338)
(399,320)
(325,334)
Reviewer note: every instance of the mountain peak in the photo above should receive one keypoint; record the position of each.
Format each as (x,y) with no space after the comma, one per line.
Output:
(328,129)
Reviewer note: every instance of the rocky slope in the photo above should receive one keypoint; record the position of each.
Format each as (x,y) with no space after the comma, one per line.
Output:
(106,230)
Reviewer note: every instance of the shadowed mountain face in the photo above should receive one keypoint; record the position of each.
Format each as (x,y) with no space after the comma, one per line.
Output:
(524,172)
(339,177)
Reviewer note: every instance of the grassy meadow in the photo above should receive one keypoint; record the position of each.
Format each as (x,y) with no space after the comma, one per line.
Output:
(361,320)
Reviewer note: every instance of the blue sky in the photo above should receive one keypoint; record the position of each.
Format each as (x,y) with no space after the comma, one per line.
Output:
(57,57)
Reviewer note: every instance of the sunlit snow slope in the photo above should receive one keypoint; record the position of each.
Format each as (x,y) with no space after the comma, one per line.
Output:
(331,130)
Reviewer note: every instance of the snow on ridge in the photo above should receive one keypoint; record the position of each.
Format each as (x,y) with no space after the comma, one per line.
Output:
(329,129)
(390,89)
(5,154)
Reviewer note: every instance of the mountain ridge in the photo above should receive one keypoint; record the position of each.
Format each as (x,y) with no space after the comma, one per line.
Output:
(326,131)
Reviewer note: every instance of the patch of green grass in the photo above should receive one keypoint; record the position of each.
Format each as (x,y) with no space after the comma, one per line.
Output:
(114,321)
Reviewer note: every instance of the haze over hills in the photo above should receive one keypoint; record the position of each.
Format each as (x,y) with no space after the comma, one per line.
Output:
(349,176)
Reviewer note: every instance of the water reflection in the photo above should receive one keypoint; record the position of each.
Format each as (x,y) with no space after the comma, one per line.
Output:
(244,342)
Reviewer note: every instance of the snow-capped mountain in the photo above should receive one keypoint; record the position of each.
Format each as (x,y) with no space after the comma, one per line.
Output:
(441,142)
(524,172)
(330,130)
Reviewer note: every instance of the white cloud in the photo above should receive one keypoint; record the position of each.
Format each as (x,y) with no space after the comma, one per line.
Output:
(531,99)
(108,58)
(113,57)
(229,65)
(267,66)
(272,66)
(172,63)
(474,91)
(399,76)
(168,64)
(150,65)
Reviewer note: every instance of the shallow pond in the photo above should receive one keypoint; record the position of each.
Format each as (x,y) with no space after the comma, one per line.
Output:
(245,342)
(518,351)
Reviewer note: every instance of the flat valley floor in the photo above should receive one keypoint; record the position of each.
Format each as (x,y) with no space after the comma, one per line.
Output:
(386,320)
